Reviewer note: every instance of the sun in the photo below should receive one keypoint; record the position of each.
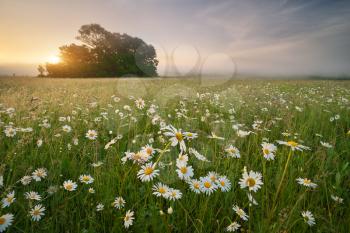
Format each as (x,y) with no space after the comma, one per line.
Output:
(54,60)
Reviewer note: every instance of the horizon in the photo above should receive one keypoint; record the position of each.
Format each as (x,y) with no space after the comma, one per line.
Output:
(287,38)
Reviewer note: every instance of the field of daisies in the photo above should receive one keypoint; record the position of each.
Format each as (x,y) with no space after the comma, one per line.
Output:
(174,155)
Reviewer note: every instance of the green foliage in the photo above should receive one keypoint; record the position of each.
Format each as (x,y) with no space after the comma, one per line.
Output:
(104,54)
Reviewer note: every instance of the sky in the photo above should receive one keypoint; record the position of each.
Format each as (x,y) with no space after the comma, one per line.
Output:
(264,37)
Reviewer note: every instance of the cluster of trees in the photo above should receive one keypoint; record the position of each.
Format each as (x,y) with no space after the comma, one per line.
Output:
(103,54)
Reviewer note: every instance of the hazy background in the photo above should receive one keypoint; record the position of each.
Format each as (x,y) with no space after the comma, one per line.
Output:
(274,37)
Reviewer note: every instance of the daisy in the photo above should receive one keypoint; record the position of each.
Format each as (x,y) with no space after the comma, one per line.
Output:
(326,144)
(10,132)
(5,221)
(128,219)
(233,152)
(294,145)
(173,194)
(184,172)
(69,185)
(39,174)
(308,217)
(148,149)
(39,143)
(306,182)
(66,128)
(91,190)
(197,155)
(91,134)
(25,180)
(214,136)
(160,190)
(147,172)
(337,199)
(140,103)
(223,183)
(233,227)
(207,185)
(8,200)
(195,185)
(32,196)
(176,137)
(242,133)
(86,179)
(240,212)
(269,150)
(100,207)
(118,203)
(189,135)
(37,212)
(213,176)
(252,180)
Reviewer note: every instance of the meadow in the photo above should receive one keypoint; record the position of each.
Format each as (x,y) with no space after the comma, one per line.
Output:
(174,155)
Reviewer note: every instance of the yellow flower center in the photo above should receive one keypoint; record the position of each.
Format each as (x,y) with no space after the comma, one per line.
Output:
(86,178)
(126,218)
(207,184)
(179,136)
(162,190)
(183,170)
(213,178)
(36,212)
(196,185)
(148,170)
(307,181)
(250,182)
(69,186)
(266,151)
(2,221)
(189,134)
(292,143)
(222,183)
(149,150)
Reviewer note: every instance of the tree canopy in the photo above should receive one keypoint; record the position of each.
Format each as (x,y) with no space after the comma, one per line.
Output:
(104,54)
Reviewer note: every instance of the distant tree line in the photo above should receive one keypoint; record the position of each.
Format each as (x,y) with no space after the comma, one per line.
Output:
(103,54)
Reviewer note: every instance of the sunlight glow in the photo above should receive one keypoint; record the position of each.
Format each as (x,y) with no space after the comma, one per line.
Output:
(54,60)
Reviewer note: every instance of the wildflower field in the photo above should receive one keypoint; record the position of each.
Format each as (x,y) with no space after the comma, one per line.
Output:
(174,155)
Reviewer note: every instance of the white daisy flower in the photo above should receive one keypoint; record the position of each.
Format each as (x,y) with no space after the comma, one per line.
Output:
(240,212)
(195,185)
(308,217)
(223,183)
(207,185)
(306,182)
(269,150)
(148,149)
(99,207)
(5,221)
(66,128)
(32,196)
(189,135)
(39,174)
(326,144)
(25,180)
(37,212)
(337,199)
(118,203)
(10,132)
(9,199)
(140,103)
(69,185)
(252,180)
(294,145)
(233,227)
(128,219)
(160,190)
(91,134)
(232,152)
(86,179)
(173,194)
(176,137)
(197,155)
(147,172)
(184,172)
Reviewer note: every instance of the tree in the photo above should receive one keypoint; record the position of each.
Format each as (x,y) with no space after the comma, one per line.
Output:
(105,54)
(41,70)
